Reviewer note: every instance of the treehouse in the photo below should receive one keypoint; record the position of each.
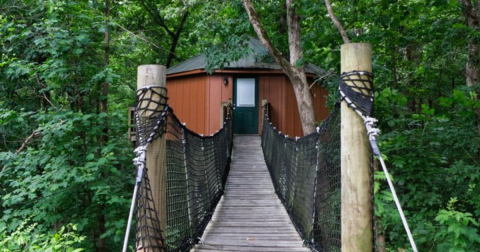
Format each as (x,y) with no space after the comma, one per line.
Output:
(198,97)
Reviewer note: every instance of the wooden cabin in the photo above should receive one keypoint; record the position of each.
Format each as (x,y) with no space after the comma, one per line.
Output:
(197,97)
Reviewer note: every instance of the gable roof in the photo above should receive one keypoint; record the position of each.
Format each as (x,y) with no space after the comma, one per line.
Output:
(257,59)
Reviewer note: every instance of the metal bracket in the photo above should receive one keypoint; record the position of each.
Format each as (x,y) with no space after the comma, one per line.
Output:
(139,161)
(372,132)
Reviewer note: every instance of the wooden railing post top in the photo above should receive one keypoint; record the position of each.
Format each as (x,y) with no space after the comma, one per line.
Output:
(151,75)
(356,56)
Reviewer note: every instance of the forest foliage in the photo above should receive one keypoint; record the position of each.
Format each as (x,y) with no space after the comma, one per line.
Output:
(66,175)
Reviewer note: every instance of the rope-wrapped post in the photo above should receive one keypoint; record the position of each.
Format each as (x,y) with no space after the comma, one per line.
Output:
(153,78)
(356,213)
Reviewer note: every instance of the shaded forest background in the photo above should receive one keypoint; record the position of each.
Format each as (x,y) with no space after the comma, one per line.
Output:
(68,75)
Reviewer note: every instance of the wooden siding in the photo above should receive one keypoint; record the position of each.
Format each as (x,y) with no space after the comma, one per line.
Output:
(319,99)
(278,91)
(216,93)
(196,100)
(187,98)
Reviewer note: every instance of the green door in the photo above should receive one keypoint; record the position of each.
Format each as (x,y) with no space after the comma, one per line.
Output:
(245,105)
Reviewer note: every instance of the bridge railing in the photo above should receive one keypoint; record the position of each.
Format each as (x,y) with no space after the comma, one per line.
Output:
(196,174)
(196,170)
(306,175)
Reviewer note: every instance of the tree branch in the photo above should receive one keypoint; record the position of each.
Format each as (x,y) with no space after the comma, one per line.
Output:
(265,39)
(27,140)
(336,22)
(158,17)
(171,54)
(141,38)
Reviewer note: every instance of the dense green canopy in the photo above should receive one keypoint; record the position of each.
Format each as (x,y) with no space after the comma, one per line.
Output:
(66,174)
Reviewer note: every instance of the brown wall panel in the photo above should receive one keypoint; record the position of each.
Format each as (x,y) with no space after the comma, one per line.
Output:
(319,99)
(201,105)
(227,90)
(217,93)
(215,97)
(278,91)
(187,99)
(271,88)
(293,125)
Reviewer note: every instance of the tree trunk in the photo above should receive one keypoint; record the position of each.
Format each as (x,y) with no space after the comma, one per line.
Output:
(471,69)
(101,228)
(394,66)
(472,73)
(411,103)
(107,56)
(104,138)
(296,75)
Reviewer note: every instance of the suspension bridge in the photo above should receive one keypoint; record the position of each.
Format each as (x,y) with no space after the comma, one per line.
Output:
(247,193)
(250,216)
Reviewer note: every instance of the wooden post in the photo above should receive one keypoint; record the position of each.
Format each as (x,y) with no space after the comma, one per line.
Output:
(155,76)
(355,163)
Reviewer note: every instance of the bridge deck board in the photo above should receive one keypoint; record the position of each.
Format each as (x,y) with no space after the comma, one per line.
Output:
(249,217)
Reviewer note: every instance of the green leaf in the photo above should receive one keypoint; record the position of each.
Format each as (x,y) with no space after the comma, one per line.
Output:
(453,2)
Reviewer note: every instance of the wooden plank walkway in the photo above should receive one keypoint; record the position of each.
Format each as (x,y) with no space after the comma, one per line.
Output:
(249,217)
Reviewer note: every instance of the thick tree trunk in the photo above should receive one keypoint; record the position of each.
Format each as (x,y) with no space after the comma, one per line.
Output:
(472,72)
(293,22)
(296,75)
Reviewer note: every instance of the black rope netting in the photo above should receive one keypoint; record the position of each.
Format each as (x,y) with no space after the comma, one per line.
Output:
(149,112)
(148,234)
(306,171)
(196,166)
(306,175)
(358,93)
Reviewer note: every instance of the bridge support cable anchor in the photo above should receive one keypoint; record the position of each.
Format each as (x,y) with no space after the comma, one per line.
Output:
(358,101)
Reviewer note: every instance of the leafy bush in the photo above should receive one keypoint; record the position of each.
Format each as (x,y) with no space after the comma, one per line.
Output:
(27,238)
